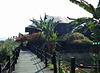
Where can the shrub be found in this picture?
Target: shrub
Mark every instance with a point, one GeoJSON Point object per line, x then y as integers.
{"type": "Point", "coordinates": [86, 41]}
{"type": "Point", "coordinates": [3, 54]}
{"type": "Point", "coordinates": [75, 42]}
{"type": "Point", "coordinates": [23, 38]}
{"type": "Point", "coordinates": [6, 49]}
{"type": "Point", "coordinates": [76, 38]}
{"type": "Point", "coordinates": [37, 39]}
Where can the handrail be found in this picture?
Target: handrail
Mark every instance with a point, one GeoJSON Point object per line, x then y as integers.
{"type": "Point", "coordinates": [82, 70]}
{"type": "Point", "coordinates": [4, 67]}
{"type": "Point", "coordinates": [47, 57]}
{"type": "Point", "coordinates": [10, 65]}
{"type": "Point", "coordinates": [87, 66]}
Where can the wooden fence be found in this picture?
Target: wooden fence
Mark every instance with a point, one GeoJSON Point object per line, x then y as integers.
{"type": "Point", "coordinates": [56, 60]}
{"type": "Point", "coordinates": [51, 58]}
{"type": "Point", "coordinates": [9, 66]}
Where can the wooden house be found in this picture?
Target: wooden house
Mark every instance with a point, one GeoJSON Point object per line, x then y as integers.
{"type": "Point", "coordinates": [61, 28]}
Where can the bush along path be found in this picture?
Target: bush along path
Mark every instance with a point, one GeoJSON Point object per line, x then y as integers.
{"type": "Point", "coordinates": [29, 63]}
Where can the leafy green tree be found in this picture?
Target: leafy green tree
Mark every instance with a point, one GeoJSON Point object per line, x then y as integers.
{"type": "Point", "coordinates": [92, 23]}
{"type": "Point", "coordinates": [46, 28]}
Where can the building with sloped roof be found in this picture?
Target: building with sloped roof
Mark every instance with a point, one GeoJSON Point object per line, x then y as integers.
{"type": "Point", "coordinates": [61, 27]}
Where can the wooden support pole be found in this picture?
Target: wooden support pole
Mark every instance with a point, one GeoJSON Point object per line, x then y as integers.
{"type": "Point", "coordinates": [59, 63]}
{"type": "Point", "coordinates": [72, 65]}
{"type": "Point", "coordinates": [14, 60]}
{"type": "Point", "coordinates": [15, 57]}
{"type": "Point", "coordinates": [45, 59]}
{"type": "Point", "coordinates": [8, 66]}
{"type": "Point", "coordinates": [54, 62]}
{"type": "Point", "coordinates": [41, 53]}
{"type": "Point", "coordinates": [0, 68]}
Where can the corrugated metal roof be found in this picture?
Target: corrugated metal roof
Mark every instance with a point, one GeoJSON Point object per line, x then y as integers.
{"type": "Point", "coordinates": [58, 18]}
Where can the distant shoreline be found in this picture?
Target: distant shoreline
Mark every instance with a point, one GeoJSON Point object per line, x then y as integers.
{"type": "Point", "coordinates": [3, 38]}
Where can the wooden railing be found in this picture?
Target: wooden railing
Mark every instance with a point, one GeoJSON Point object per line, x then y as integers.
{"type": "Point", "coordinates": [56, 60]}
{"type": "Point", "coordinates": [46, 57]}
{"type": "Point", "coordinates": [9, 66]}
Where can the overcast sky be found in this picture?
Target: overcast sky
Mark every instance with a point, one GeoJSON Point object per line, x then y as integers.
{"type": "Point", "coordinates": [15, 14]}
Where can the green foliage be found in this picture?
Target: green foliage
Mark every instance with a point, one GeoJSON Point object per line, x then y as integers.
{"type": "Point", "coordinates": [76, 38]}
{"type": "Point", "coordinates": [3, 54]}
{"type": "Point", "coordinates": [61, 71]}
{"type": "Point", "coordinates": [46, 28]}
{"type": "Point", "coordinates": [37, 39]}
{"type": "Point", "coordinates": [90, 23]}
{"type": "Point", "coordinates": [87, 41]}
{"type": "Point", "coordinates": [96, 31]}
{"type": "Point", "coordinates": [20, 34]}
{"type": "Point", "coordinates": [6, 49]}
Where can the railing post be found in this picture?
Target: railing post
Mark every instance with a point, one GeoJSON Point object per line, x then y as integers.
{"type": "Point", "coordinates": [35, 49]}
{"type": "Point", "coordinates": [59, 63]}
{"type": "Point", "coordinates": [38, 51]}
{"type": "Point", "coordinates": [8, 66]}
{"type": "Point", "coordinates": [18, 51]}
{"type": "Point", "coordinates": [45, 59]}
{"type": "Point", "coordinates": [72, 65]}
{"type": "Point", "coordinates": [0, 68]}
{"type": "Point", "coordinates": [41, 54]}
{"type": "Point", "coordinates": [15, 57]}
{"type": "Point", "coordinates": [14, 60]}
{"type": "Point", "coordinates": [17, 54]}
{"type": "Point", "coordinates": [54, 62]}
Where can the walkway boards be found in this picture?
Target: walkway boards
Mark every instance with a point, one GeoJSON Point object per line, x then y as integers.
{"type": "Point", "coordinates": [29, 63]}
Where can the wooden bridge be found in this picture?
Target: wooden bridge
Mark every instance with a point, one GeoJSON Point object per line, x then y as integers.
{"type": "Point", "coordinates": [29, 63]}
{"type": "Point", "coordinates": [32, 59]}
{"type": "Point", "coordinates": [24, 61]}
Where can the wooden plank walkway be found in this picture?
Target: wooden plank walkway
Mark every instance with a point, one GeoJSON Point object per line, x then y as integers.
{"type": "Point", "coordinates": [29, 63]}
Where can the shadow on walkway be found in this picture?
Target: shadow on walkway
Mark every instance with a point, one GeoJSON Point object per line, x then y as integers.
{"type": "Point", "coordinates": [29, 63]}
{"type": "Point", "coordinates": [40, 70]}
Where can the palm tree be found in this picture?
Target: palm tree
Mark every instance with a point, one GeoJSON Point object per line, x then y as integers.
{"type": "Point", "coordinates": [46, 28]}
{"type": "Point", "coordinates": [92, 23]}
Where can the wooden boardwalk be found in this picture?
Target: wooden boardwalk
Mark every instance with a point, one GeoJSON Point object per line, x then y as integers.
{"type": "Point", "coordinates": [29, 63]}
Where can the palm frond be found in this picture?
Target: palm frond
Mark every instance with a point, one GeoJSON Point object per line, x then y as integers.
{"type": "Point", "coordinates": [32, 26]}
{"type": "Point", "coordinates": [88, 7]}
{"type": "Point", "coordinates": [36, 23]}
{"type": "Point", "coordinates": [89, 26]}
{"type": "Point", "coordinates": [99, 3]}
{"type": "Point", "coordinates": [80, 21]}
{"type": "Point", "coordinates": [97, 13]}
